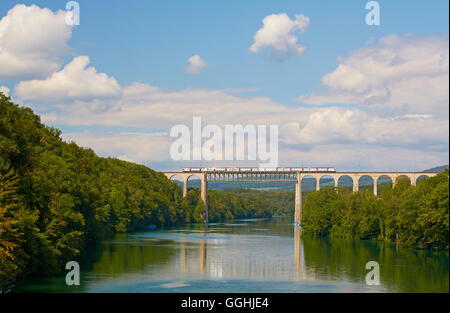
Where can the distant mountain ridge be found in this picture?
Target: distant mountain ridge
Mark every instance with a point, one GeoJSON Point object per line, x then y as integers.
{"type": "Point", "coordinates": [437, 168]}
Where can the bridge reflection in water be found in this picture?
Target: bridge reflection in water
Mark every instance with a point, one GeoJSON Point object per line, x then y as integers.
{"type": "Point", "coordinates": [300, 271]}
{"type": "Point", "coordinates": [211, 260]}
{"type": "Point", "coordinates": [297, 256]}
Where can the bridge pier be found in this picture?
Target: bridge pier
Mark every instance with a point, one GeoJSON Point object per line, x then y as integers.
{"type": "Point", "coordinates": [375, 186]}
{"type": "Point", "coordinates": [394, 181]}
{"type": "Point", "coordinates": [413, 179]}
{"type": "Point", "coordinates": [298, 199]}
{"type": "Point", "coordinates": [204, 196]}
{"type": "Point", "coordinates": [185, 185]}
{"type": "Point", "coordinates": [355, 183]}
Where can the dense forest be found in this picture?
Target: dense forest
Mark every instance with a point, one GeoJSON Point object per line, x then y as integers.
{"type": "Point", "coordinates": [57, 198]}
{"type": "Point", "coordinates": [416, 216]}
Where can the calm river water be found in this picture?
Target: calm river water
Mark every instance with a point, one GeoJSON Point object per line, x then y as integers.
{"type": "Point", "coordinates": [257, 255]}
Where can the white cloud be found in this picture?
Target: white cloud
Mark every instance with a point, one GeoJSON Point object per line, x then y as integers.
{"type": "Point", "coordinates": [131, 146]}
{"type": "Point", "coordinates": [195, 64]}
{"type": "Point", "coordinates": [147, 106]}
{"type": "Point", "coordinates": [32, 40]}
{"type": "Point", "coordinates": [75, 81]}
{"type": "Point", "coordinates": [335, 125]}
{"type": "Point", "coordinates": [150, 107]}
{"type": "Point", "coordinates": [358, 157]}
{"type": "Point", "coordinates": [152, 149]}
{"type": "Point", "coordinates": [5, 90]}
{"type": "Point", "coordinates": [401, 74]}
{"type": "Point", "coordinates": [417, 116]}
{"type": "Point", "coordinates": [279, 34]}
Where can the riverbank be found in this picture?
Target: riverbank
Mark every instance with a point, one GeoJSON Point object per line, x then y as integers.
{"type": "Point", "coordinates": [416, 216]}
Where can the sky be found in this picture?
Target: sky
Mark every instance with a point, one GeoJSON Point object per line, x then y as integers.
{"type": "Point", "coordinates": [343, 93]}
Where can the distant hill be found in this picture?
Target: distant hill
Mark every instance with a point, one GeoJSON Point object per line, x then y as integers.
{"type": "Point", "coordinates": [437, 168]}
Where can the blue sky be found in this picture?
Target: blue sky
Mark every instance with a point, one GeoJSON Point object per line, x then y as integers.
{"type": "Point", "coordinates": [150, 42]}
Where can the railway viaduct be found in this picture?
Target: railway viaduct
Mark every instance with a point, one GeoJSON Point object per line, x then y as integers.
{"type": "Point", "coordinates": [296, 177]}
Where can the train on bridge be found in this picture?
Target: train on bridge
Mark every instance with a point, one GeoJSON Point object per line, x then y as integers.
{"type": "Point", "coordinates": [256, 169]}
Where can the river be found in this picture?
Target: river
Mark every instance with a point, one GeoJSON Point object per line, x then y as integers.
{"type": "Point", "coordinates": [254, 255]}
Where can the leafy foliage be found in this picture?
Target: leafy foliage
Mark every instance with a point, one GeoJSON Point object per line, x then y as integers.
{"type": "Point", "coordinates": [414, 215]}
{"type": "Point", "coordinates": [57, 198]}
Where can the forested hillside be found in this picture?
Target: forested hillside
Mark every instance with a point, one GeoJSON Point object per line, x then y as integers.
{"type": "Point", "coordinates": [57, 198]}
{"type": "Point", "coordinates": [415, 216]}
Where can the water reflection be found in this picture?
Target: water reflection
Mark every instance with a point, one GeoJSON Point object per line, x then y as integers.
{"type": "Point", "coordinates": [203, 247]}
{"type": "Point", "coordinates": [183, 257]}
{"type": "Point", "coordinates": [256, 256]}
{"type": "Point", "coordinates": [299, 254]}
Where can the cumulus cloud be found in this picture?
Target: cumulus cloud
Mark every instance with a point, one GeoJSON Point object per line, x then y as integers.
{"type": "Point", "coordinates": [149, 107]}
{"type": "Point", "coordinates": [401, 74]}
{"type": "Point", "coordinates": [146, 106]}
{"type": "Point", "coordinates": [353, 126]}
{"type": "Point", "coordinates": [74, 81]}
{"type": "Point", "coordinates": [331, 136]}
{"type": "Point", "coordinates": [127, 146]}
{"type": "Point", "coordinates": [5, 90]}
{"type": "Point", "coordinates": [196, 64]}
{"type": "Point", "coordinates": [358, 157]}
{"type": "Point", "coordinates": [279, 35]}
{"type": "Point", "coordinates": [152, 149]}
{"type": "Point", "coordinates": [32, 40]}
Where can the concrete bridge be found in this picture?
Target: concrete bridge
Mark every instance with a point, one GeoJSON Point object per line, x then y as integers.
{"type": "Point", "coordinates": [296, 177]}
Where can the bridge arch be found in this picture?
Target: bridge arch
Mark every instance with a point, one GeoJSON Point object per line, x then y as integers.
{"type": "Point", "coordinates": [310, 177]}
{"type": "Point", "coordinates": [366, 182]}
{"type": "Point", "coordinates": [323, 183]}
{"type": "Point", "coordinates": [384, 182]}
{"type": "Point", "coordinates": [405, 177]}
{"type": "Point", "coordinates": [174, 176]}
{"type": "Point", "coordinates": [421, 177]}
{"type": "Point", "coordinates": [343, 183]}
{"type": "Point", "coordinates": [189, 177]}
{"type": "Point", "coordinates": [180, 179]}
{"type": "Point", "coordinates": [183, 179]}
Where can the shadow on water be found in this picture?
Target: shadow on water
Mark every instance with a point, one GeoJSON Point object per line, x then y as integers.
{"type": "Point", "coordinates": [261, 255]}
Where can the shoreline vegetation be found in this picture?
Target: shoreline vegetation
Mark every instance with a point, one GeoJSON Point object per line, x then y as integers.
{"type": "Point", "coordinates": [416, 216]}
{"type": "Point", "coordinates": [58, 199]}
